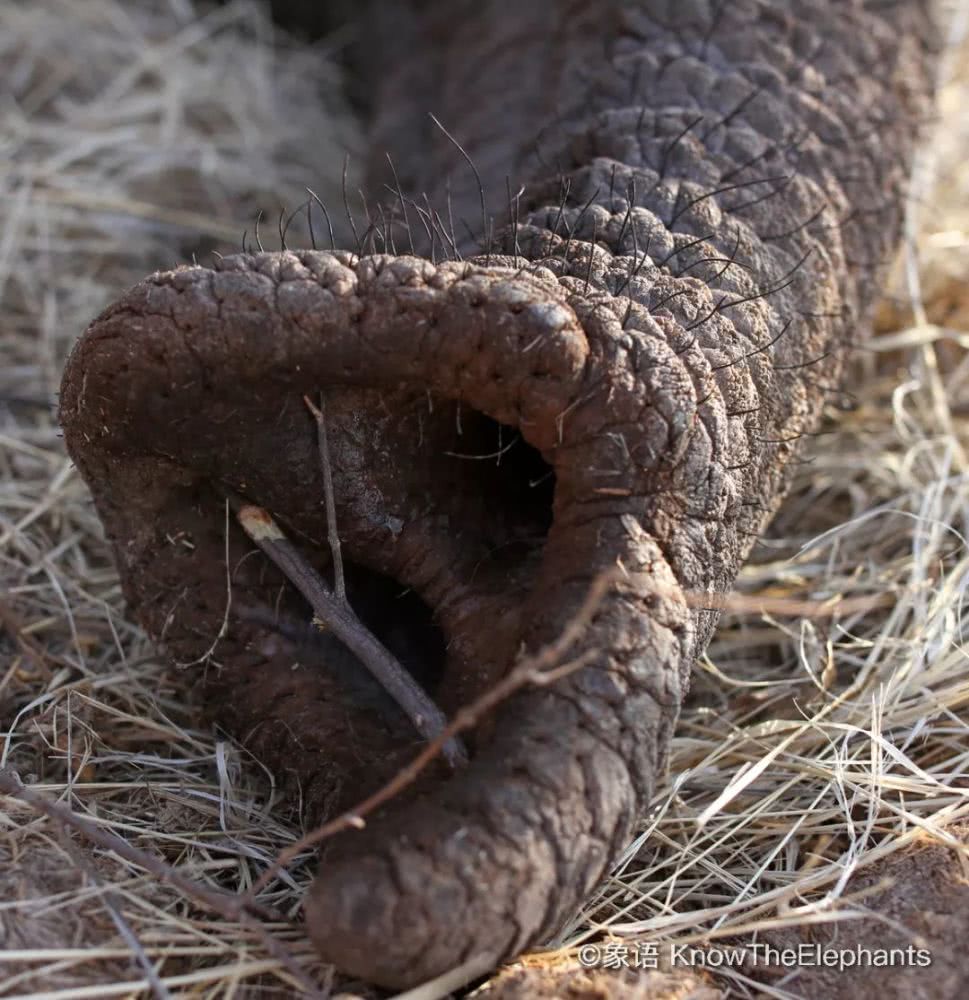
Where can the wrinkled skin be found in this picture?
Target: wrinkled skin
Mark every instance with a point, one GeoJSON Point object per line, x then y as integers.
{"type": "Point", "coordinates": [710, 191]}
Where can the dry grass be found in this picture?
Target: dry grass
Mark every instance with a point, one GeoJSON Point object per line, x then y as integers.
{"type": "Point", "coordinates": [136, 134]}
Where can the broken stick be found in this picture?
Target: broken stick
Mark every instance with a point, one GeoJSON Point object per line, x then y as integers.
{"type": "Point", "coordinates": [340, 619]}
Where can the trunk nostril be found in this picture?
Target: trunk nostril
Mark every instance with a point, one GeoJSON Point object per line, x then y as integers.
{"type": "Point", "coordinates": [401, 621]}
{"type": "Point", "coordinates": [515, 481]}
{"type": "Point", "coordinates": [437, 495]}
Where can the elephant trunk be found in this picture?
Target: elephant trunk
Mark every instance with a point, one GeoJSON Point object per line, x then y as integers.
{"type": "Point", "coordinates": [711, 194]}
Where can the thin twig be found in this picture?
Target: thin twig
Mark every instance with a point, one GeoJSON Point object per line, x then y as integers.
{"type": "Point", "coordinates": [538, 670]}
{"type": "Point", "coordinates": [332, 535]}
{"type": "Point", "coordinates": [341, 620]}
{"type": "Point", "coordinates": [112, 905]}
{"type": "Point", "coordinates": [224, 626]}
{"type": "Point", "coordinates": [738, 603]}
{"type": "Point", "coordinates": [239, 907]}
{"type": "Point", "coordinates": [225, 903]}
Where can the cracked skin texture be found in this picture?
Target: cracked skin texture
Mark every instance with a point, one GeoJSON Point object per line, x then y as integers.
{"type": "Point", "coordinates": [713, 192]}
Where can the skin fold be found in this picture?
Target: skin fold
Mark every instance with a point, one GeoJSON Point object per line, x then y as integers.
{"type": "Point", "coordinates": [635, 303]}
